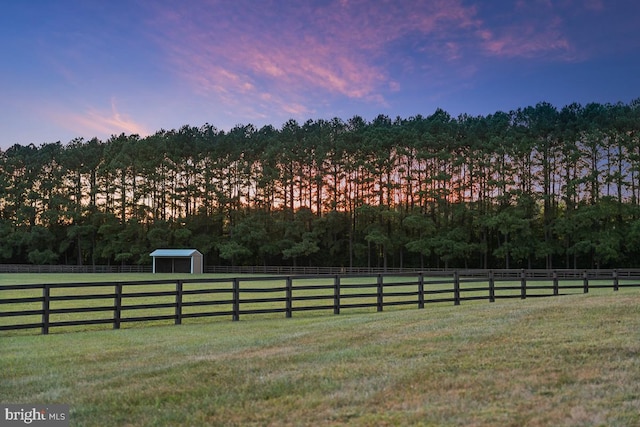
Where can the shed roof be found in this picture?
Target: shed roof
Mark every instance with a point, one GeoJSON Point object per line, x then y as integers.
{"type": "Point", "coordinates": [174, 252]}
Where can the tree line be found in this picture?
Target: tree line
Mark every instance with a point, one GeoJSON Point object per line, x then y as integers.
{"type": "Point", "coordinates": [535, 187]}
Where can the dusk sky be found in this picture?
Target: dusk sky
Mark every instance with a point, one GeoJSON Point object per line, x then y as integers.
{"type": "Point", "coordinates": [85, 68]}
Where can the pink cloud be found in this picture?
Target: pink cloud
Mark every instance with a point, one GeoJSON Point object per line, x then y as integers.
{"type": "Point", "coordinates": [595, 5]}
{"type": "Point", "coordinates": [533, 29]}
{"type": "Point", "coordinates": [525, 41]}
{"type": "Point", "coordinates": [238, 50]}
{"type": "Point", "coordinates": [99, 123]}
{"type": "Point", "coordinates": [335, 48]}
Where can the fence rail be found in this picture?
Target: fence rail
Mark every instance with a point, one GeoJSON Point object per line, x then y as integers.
{"type": "Point", "coordinates": [60, 268]}
{"type": "Point", "coordinates": [262, 269]}
{"type": "Point", "coordinates": [303, 270]}
{"type": "Point", "coordinates": [53, 305]}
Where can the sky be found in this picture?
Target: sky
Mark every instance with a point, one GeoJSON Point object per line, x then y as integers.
{"type": "Point", "coordinates": [94, 68]}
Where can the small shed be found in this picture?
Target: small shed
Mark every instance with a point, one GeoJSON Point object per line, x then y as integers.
{"type": "Point", "coordinates": [177, 261]}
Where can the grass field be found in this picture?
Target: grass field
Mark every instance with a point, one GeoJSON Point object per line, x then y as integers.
{"type": "Point", "coordinates": [565, 361]}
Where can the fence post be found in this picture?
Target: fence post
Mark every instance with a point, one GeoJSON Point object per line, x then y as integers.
{"type": "Point", "coordinates": [236, 300]}
{"type": "Point", "coordinates": [178, 302]}
{"type": "Point", "coordinates": [492, 287]}
{"type": "Point", "coordinates": [523, 284]}
{"type": "Point", "coordinates": [421, 290]}
{"type": "Point", "coordinates": [585, 282]}
{"type": "Point", "coordinates": [46, 301]}
{"type": "Point", "coordinates": [616, 284]}
{"type": "Point", "coordinates": [556, 287]}
{"type": "Point", "coordinates": [289, 296]}
{"type": "Point", "coordinates": [380, 291]}
{"type": "Point", "coordinates": [456, 288]}
{"type": "Point", "coordinates": [336, 294]}
{"type": "Point", "coordinates": [117, 309]}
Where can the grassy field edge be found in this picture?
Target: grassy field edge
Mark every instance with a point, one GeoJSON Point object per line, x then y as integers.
{"type": "Point", "coordinates": [556, 361]}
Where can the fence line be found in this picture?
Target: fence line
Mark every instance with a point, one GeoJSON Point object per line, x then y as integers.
{"type": "Point", "coordinates": [268, 269]}
{"type": "Point", "coordinates": [305, 270]}
{"type": "Point", "coordinates": [263, 269]}
{"type": "Point", "coordinates": [61, 268]}
{"type": "Point", "coordinates": [45, 306]}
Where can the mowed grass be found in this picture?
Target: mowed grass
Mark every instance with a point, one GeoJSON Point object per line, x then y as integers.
{"type": "Point", "coordinates": [572, 360]}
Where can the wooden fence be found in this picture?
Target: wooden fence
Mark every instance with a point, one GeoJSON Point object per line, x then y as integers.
{"type": "Point", "coordinates": [61, 268]}
{"type": "Point", "coordinates": [53, 305]}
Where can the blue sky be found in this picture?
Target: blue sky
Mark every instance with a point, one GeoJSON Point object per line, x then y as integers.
{"type": "Point", "coordinates": [85, 68]}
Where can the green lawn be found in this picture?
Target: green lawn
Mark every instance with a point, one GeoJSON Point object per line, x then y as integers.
{"type": "Point", "coordinates": [572, 360]}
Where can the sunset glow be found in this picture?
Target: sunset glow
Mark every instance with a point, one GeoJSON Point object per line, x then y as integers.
{"type": "Point", "coordinates": [78, 69]}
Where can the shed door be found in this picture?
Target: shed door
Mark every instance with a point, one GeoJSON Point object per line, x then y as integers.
{"type": "Point", "coordinates": [164, 265]}
{"type": "Point", "coordinates": [182, 265]}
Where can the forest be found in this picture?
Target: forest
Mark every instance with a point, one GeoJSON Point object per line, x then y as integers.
{"type": "Point", "coordinates": [537, 187]}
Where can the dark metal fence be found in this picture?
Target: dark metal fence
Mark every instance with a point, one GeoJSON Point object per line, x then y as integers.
{"type": "Point", "coordinates": [261, 269]}
{"type": "Point", "coordinates": [300, 270]}
{"type": "Point", "coordinates": [58, 305]}
{"type": "Point", "coordinates": [30, 268]}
